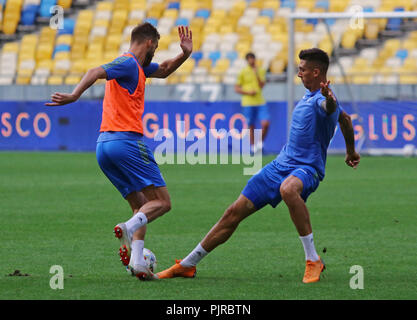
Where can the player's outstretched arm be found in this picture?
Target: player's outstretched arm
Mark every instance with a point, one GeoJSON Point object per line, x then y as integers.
{"type": "Point", "coordinates": [352, 157]}
{"type": "Point", "coordinates": [169, 66]}
{"type": "Point", "coordinates": [92, 75]}
{"type": "Point", "coordinates": [330, 104]}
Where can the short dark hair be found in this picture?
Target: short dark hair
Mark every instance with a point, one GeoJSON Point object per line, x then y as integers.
{"type": "Point", "coordinates": [317, 56]}
{"type": "Point", "coordinates": [144, 32]}
{"type": "Point", "coordinates": [250, 55]}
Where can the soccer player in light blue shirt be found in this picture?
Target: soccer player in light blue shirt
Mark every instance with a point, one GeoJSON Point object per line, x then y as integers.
{"type": "Point", "coordinates": [294, 174]}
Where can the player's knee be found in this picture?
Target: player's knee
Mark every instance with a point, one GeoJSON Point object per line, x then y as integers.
{"type": "Point", "coordinates": [166, 205]}
{"type": "Point", "coordinates": [288, 192]}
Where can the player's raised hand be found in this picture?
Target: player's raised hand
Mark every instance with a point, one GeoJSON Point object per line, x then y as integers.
{"type": "Point", "coordinates": [186, 38]}
{"type": "Point", "coordinates": [59, 99]}
{"type": "Point", "coordinates": [353, 159]}
{"type": "Point", "coordinates": [326, 91]}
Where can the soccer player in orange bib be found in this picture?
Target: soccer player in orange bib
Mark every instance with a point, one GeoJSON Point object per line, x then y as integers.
{"type": "Point", "coordinates": [121, 152]}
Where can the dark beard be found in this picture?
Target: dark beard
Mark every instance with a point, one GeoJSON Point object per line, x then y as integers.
{"type": "Point", "coordinates": [148, 59]}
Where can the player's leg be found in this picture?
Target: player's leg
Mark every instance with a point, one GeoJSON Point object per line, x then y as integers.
{"type": "Point", "coordinates": [292, 190]}
{"type": "Point", "coordinates": [220, 233]}
{"type": "Point", "coordinates": [157, 203]}
{"type": "Point", "coordinates": [263, 116]}
{"type": "Point", "coordinates": [136, 200]}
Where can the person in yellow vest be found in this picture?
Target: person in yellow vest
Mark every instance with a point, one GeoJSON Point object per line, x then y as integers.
{"type": "Point", "coordinates": [250, 82]}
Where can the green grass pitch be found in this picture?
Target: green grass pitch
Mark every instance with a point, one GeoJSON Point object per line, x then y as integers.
{"type": "Point", "coordinates": [59, 209]}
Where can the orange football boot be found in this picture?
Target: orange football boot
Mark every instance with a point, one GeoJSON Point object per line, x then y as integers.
{"type": "Point", "coordinates": [313, 270]}
{"type": "Point", "coordinates": [177, 270]}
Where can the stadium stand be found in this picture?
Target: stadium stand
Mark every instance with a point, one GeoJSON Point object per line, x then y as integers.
{"type": "Point", "coordinates": [95, 32]}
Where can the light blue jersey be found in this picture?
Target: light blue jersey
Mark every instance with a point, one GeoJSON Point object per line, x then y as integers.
{"type": "Point", "coordinates": [310, 134]}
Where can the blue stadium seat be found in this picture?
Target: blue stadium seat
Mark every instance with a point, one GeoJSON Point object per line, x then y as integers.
{"type": "Point", "coordinates": [45, 7]}
{"type": "Point", "coordinates": [323, 4]}
{"type": "Point", "coordinates": [61, 48]}
{"type": "Point", "coordinates": [312, 21]}
{"type": "Point", "coordinates": [232, 55]}
{"type": "Point", "coordinates": [214, 56]}
{"type": "Point", "coordinates": [152, 21]}
{"type": "Point", "coordinates": [402, 53]}
{"type": "Point", "coordinates": [182, 22]}
{"type": "Point", "coordinates": [69, 25]}
{"type": "Point", "coordinates": [197, 56]}
{"type": "Point", "coordinates": [368, 9]}
{"type": "Point", "coordinates": [29, 14]}
{"type": "Point", "coordinates": [268, 13]}
{"type": "Point", "coordinates": [203, 13]}
{"type": "Point", "coordinates": [174, 5]}
{"type": "Point", "coordinates": [330, 21]}
{"type": "Point", "coordinates": [394, 24]}
{"type": "Point", "coordinates": [288, 4]}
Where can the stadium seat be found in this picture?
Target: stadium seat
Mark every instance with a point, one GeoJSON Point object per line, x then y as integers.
{"type": "Point", "coordinates": [202, 13]}
{"type": "Point", "coordinates": [55, 80]}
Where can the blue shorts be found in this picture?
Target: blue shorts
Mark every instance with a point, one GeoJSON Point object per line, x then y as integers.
{"type": "Point", "coordinates": [255, 113]}
{"type": "Point", "coordinates": [129, 165]}
{"type": "Point", "coordinates": [264, 187]}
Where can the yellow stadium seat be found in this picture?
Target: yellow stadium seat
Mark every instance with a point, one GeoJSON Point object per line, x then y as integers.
{"type": "Point", "coordinates": [306, 4]}
{"type": "Point", "coordinates": [263, 20]}
{"type": "Point", "coordinates": [11, 47]}
{"type": "Point", "coordinates": [349, 40]}
{"type": "Point", "coordinates": [224, 29]}
{"type": "Point", "coordinates": [189, 5]}
{"type": "Point", "coordinates": [410, 64]}
{"type": "Point", "coordinates": [44, 51]}
{"type": "Point", "coordinates": [409, 44]}
{"type": "Point", "coordinates": [62, 55]}
{"type": "Point", "coordinates": [170, 13]}
{"type": "Point", "coordinates": [78, 67]}
{"type": "Point", "coordinates": [271, 4]}
{"type": "Point", "coordinates": [64, 39]}
{"type": "Point", "coordinates": [278, 66]}
{"type": "Point", "coordinates": [72, 79]}
{"type": "Point", "coordinates": [187, 67]}
{"type": "Point", "coordinates": [121, 4]}
{"type": "Point", "coordinates": [256, 4]}
{"type": "Point", "coordinates": [218, 14]}
{"type": "Point", "coordinates": [55, 80]}
{"type": "Point", "coordinates": [104, 6]}
{"type": "Point", "coordinates": [22, 80]}
{"type": "Point", "coordinates": [113, 42]}
{"type": "Point", "coordinates": [371, 30]}
{"type": "Point", "coordinates": [101, 23]}
{"type": "Point", "coordinates": [206, 63]}
{"type": "Point", "coordinates": [110, 55]}
{"type": "Point", "coordinates": [338, 5]}
{"type": "Point", "coordinates": [10, 25]}
{"type": "Point", "coordinates": [408, 79]}
{"type": "Point", "coordinates": [45, 64]}
{"type": "Point", "coordinates": [205, 4]}
{"type": "Point", "coordinates": [66, 4]}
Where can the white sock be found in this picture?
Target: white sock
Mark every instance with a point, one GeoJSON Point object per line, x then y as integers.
{"type": "Point", "coordinates": [134, 223]}
{"type": "Point", "coordinates": [136, 256]}
{"type": "Point", "coordinates": [309, 248]}
{"type": "Point", "coordinates": [194, 257]}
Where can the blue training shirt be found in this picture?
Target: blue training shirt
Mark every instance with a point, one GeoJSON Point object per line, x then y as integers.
{"type": "Point", "coordinates": [310, 134]}
{"type": "Point", "coordinates": [125, 70]}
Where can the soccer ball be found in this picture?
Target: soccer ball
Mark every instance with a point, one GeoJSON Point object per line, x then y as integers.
{"type": "Point", "coordinates": [408, 150]}
{"type": "Point", "coordinates": [150, 259]}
